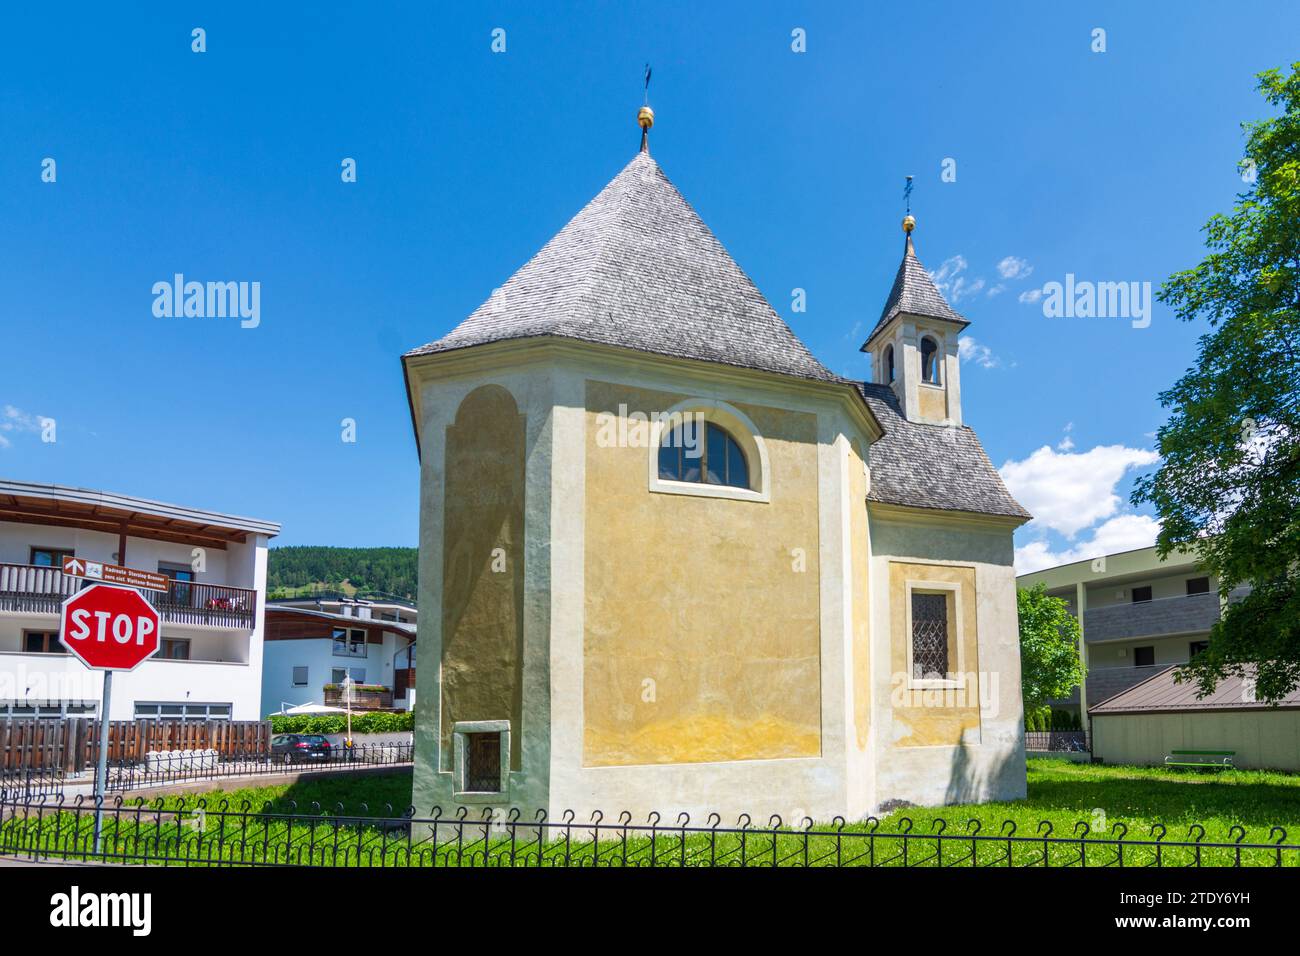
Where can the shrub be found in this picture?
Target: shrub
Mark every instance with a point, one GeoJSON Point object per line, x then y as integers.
{"type": "Point", "coordinates": [371, 722]}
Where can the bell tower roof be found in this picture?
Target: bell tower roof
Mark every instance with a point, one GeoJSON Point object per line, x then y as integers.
{"type": "Point", "coordinates": [914, 292]}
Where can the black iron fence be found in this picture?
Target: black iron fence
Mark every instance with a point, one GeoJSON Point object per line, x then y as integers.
{"type": "Point", "coordinates": [169, 767]}
{"type": "Point", "coordinates": [1060, 741]}
{"type": "Point", "coordinates": [176, 833]}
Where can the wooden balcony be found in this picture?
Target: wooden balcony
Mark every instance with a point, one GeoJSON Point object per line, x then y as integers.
{"type": "Point", "coordinates": [364, 697]}
{"type": "Point", "coordinates": [32, 589]}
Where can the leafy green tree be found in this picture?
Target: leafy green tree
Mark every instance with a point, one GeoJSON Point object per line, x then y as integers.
{"type": "Point", "coordinates": [1050, 667]}
{"type": "Point", "coordinates": [1228, 487]}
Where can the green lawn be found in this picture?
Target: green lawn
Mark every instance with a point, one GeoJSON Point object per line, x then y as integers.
{"type": "Point", "coordinates": [1111, 800]}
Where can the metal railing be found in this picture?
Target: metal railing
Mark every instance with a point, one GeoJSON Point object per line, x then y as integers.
{"type": "Point", "coordinates": [199, 833]}
{"type": "Point", "coordinates": [169, 767]}
{"type": "Point", "coordinates": [42, 590]}
{"type": "Point", "coordinates": [1060, 741]}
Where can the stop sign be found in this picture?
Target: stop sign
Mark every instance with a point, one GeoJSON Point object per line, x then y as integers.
{"type": "Point", "coordinates": [110, 628]}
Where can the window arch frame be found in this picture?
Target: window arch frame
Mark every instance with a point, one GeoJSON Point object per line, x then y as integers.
{"type": "Point", "coordinates": [887, 364]}
{"type": "Point", "coordinates": [738, 426]}
{"type": "Point", "coordinates": [938, 365]}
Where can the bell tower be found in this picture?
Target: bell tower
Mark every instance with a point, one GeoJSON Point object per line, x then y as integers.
{"type": "Point", "coordinates": [914, 348]}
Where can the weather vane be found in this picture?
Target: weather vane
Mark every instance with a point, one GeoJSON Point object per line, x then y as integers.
{"type": "Point", "coordinates": [907, 196]}
{"type": "Point", "coordinates": [645, 116]}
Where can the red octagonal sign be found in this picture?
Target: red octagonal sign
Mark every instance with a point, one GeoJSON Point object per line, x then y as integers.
{"type": "Point", "coordinates": [110, 628]}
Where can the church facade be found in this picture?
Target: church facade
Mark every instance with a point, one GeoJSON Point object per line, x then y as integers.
{"type": "Point", "coordinates": [669, 562]}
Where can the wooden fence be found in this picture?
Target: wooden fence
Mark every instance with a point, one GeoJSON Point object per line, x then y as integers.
{"type": "Point", "coordinates": [70, 745]}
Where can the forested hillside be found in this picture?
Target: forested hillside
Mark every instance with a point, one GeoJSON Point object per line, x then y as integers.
{"type": "Point", "coordinates": [386, 570]}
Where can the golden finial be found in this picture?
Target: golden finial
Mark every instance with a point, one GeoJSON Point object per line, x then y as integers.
{"type": "Point", "coordinates": [645, 117]}
{"type": "Point", "coordinates": [909, 223]}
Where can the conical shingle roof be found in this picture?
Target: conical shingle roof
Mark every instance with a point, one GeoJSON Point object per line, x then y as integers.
{"type": "Point", "coordinates": [914, 293]}
{"type": "Point", "coordinates": [637, 268]}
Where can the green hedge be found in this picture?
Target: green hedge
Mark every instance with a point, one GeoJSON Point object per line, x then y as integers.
{"type": "Point", "coordinates": [372, 722]}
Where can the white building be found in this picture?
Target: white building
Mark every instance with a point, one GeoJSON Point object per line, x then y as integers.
{"type": "Point", "coordinates": [313, 644]}
{"type": "Point", "coordinates": [210, 664]}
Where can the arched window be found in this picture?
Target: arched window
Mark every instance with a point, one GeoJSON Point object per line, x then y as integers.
{"type": "Point", "coordinates": [889, 365]}
{"type": "Point", "coordinates": [717, 459]}
{"type": "Point", "coordinates": [929, 361]}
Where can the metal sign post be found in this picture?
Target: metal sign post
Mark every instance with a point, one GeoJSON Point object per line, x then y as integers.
{"type": "Point", "coordinates": [101, 761]}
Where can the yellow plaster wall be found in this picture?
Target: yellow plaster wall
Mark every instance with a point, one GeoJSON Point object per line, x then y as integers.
{"type": "Point", "coordinates": [860, 568]}
{"type": "Point", "coordinates": [933, 403]}
{"type": "Point", "coordinates": [702, 643]}
{"type": "Point", "coordinates": [925, 718]}
{"type": "Point", "coordinates": [482, 588]}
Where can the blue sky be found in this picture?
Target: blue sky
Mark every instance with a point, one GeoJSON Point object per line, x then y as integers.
{"type": "Point", "coordinates": [225, 166]}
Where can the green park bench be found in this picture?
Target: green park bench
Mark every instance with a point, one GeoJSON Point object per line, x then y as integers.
{"type": "Point", "coordinates": [1211, 759]}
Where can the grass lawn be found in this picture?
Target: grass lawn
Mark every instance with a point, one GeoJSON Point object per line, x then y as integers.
{"type": "Point", "coordinates": [1111, 800]}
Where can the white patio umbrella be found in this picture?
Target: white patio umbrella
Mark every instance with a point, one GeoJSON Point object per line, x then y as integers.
{"type": "Point", "coordinates": [311, 708]}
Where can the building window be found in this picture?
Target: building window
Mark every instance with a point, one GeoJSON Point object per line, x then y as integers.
{"type": "Point", "coordinates": [300, 677]}
{"type": "Point", "coordinates": [718, 460]}
{"type": "Point", "coordinates": [175, 649]}
{"type": "Point", "coordinates": [1144, 656]}
{"type": "Point", "coordinates": [182, 577]}
{"type": "Point", "coordinates": [50, 557]}
{"type": "Point", "coordinates": [889, 365]}
{"type": "Point", "coordinates": [929, 360]}
{"type": "Point", "coordinates": [42, 642]}
{"type": "Point", "coordinates": [1142, 595]}
{"type": "Point", "coordinates": [339, 674]}
{"type": "Point", "coordinates": [1198, 585]}
{"type": "Point", "coordinates": [483, 763]}
{"type": "Point", "coordinates": [1196, 648]}
{"type": "Point", "coordinates": [929, 636]}
{"type": "Point", "coordinates": [159, 710]}
{"type": "Point", "coordinates": [349, 642]}
{"type": "Point", "coordinates": [481, 759]}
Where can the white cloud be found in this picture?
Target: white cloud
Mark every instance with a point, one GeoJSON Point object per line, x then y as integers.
{"type": "Point", "coordinates": [968, 350]}
{"type": "Point", "coordinates": [1030, 296]}
{"type": "Point", "coordinates": [1067, 491]}
{"type": "Point", "coordinates": [949, 280]}
{"type": "Point", "coordinates": [1121, 533]}
{"type": "Point", "coordinates": [996, 290]}
{"type": "Point", "coordinates": [1066, 443]}
{"type": "Point", "coordinates": [1013, 267]}
{"type": "Point", "coordinates": [14, 420]}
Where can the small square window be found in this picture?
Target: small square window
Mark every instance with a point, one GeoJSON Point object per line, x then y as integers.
{"type": "Point", "coordinates": [1144, 656]}
{"type": "Point", "coordinates": [300, 677]}
{"type": "Point", "coordinates": [1198, 585]}
{"type": "Point", "coordinates": [1142, 595]}
{"type": "Point", "coordinates": [481, 760]}
{"type": "Point", "coordinates": [1196, 648]}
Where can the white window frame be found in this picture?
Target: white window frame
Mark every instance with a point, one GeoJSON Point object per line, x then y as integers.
{"type": "Point", "coordinates": [183, 705]}
{"type": "Point", "coordinates": [932, 683]}
{"type": "Point", "coordinates": [737, 424]}
{"type": "Point", "coordinates": [459, 731]}
{"type": "Point", "coordinates": [349, 639]}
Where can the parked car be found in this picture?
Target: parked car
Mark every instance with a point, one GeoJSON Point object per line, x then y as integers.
{"type": "Point", "coordinates": [300, 748]}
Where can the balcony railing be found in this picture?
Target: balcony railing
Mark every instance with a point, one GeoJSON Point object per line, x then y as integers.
{"type": "Point", "coordinates": [1174, 615]}
{"type": "Point", "coordinates": [40, 590]}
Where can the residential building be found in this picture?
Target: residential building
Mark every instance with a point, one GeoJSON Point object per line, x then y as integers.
{"type": "Point", "coordinates": [311, 649]}
{"type": "Point", "coordinates": [210, 664]}
{"type": "Point", "coordinates": [1138, 614]}
{"type": "Point", "coordinates": [669, 561]}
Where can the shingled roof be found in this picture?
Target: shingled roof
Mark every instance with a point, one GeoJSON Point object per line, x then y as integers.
{"type": "Point", "coordinates": [914, 292]}
{"type": "Point", "coordinates": [1161, 693]}
{"type": "Point", "coordinates": [943, 467]}
{"type": "Point", "coordinates": [637, 268]}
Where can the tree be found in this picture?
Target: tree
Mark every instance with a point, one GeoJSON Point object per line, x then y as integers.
{"type": "Point", "coordinates": [1228, 487]}
{"type": "Point", "coordinates": [1050, 667]}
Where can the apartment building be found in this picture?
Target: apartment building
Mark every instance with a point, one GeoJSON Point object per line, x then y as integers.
{"type": "Point", "coordinates": [314, 643]}
{"type": "Point", "coordinates": [210, 663]}
{"type": "Point", "coordinates": [1138, 615]}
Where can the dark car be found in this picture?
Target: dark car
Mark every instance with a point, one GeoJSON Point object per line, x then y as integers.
{"type": "Point", "coordinates": [300, 748]}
